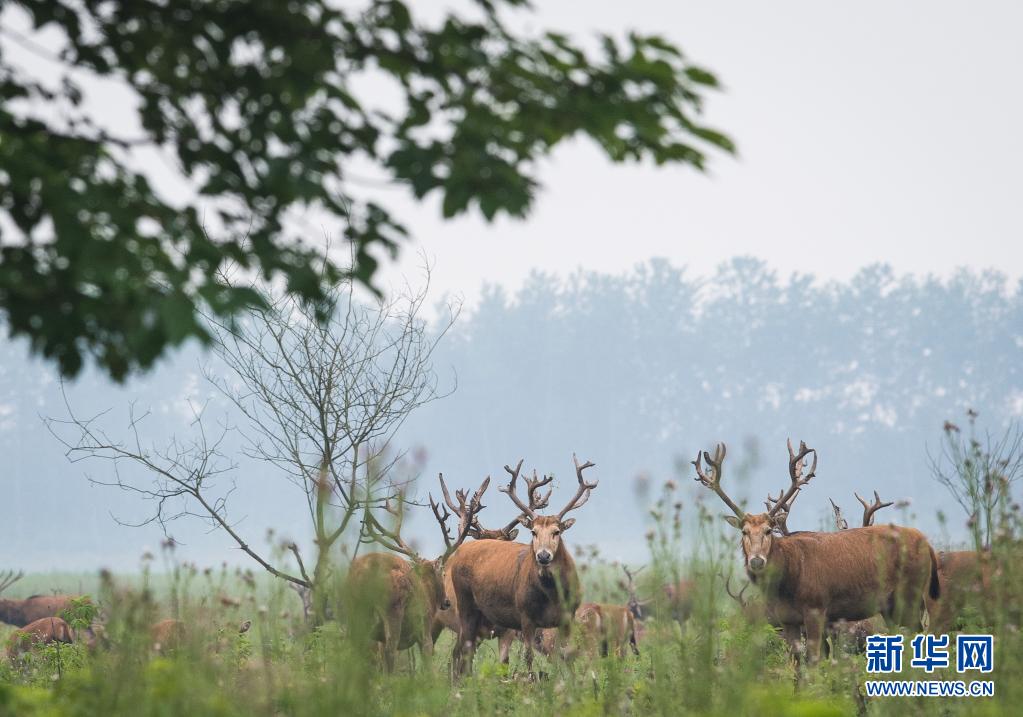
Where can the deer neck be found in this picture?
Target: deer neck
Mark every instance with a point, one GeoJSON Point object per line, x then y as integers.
{"type": "Point", "coordinates": [559, 577]}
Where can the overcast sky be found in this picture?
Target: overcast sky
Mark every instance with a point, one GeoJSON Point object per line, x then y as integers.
{"type": "Point", "coordinates": [868, 132]}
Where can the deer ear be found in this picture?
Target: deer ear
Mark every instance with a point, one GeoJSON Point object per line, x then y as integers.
{"type": "Point", "coordinates": [524, 521]}
{"type": "Point", "coordinates": [733, 521]}
{"type": "Point", "coordinates": [566, 524]}
{"type": "Point", "coordinates": [513, 533]}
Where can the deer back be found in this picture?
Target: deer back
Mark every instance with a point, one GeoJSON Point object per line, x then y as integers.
{"type": "Point", "coordinates": [502, 580]}
{"type": "Point", "coordinates": [43, 630]}
{"type": "Point", "coordinates": [851, 574]}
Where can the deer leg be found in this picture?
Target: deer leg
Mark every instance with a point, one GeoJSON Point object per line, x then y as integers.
{"type": "Point", "coordinates": [465, 645]}
{"type": "Point", "coordinates": [792, 634]}
{"type": "Point", "coordinates": [504, 643]}
{"type": "Point", "coordinates": [392, 634]}
{"type": "Point", "coordinates": [813, 621]}
{"type": "Point", "coordinates": [528, 636]}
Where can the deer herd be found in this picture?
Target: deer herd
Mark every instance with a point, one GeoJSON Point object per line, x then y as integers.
{"type": "Point", "coordinates": [812, 585]}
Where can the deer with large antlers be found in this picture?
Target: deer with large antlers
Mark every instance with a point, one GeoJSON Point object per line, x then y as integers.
{"type": "Point", "coordinates": [811, 578]}
{"type": "Point", "coordinates": [22, 612]}
{"type": "Point", "coordinates": [449, 618]}
{"type": "Point", "coordinates": [515, 586]}
{"type": "Point", "coordinates": [397, 598]}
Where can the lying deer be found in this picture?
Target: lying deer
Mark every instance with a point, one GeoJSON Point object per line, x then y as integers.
{"type": "Point", "coordinates": [811, 578]}
{"type": "Point", "coordinates": [22, 612]}
{"type": "Point", "coordinates": [403, 594]}
{"type": "Point", "coordinates": [45, 630]}
{"type": "Point", "coordinates": [518, 587]}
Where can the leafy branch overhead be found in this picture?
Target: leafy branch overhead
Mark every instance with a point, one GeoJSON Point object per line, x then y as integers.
{"type": "Point", "coordinates": [259, 107]}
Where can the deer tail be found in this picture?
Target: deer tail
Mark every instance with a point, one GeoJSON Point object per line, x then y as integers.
{"type": "Point", "coordinates": [935, 586]}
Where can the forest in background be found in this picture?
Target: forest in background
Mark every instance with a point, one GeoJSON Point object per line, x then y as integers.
{"type": "Point", "coordinates": [634, 371]}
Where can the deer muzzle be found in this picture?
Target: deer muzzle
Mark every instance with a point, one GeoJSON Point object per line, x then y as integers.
{"type": "Point", "coordinates": [757, 563]}
{"type": "Point", "coordinates": [544, 557]}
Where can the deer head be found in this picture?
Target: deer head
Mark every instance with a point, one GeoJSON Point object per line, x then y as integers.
{"type": "Point", "coordinates": [546, 530]}
{"type": "Point", "coordinates": [758, 529]}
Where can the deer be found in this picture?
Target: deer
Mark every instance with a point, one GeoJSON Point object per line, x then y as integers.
{"type": "Point", "coordinates": [516, 586]}
{"type": "Point", "coordinates": [449, 618]}
{"type": "Point", "coordinates": [401, 592]}
{"type": "Point", "coordinates": [607, 628]}
{"type": "Point", "coordinates": [167, 634]}
{"type": "Point", "coordinates": [22, 612]}
{"type": "Point", "coordinates": [45, 630]}
{"type": "Point", "coordinates": [811, 578]}
{"type": "Point", "coordinates": [965, 575]}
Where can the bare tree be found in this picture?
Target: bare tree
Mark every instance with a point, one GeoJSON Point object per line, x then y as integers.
{"type": "Point", "coordinates": [979, 471]}
{"type": "Point", "coordinates": [320, 398]}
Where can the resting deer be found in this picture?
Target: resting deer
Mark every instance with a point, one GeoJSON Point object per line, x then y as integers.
{"type": "Point", "coordinates": [810, 578]}
{"type": "Point", "coordinates": [404, 595]}
{"type": "Point", "coordinates": [45, 630]}
{"type": "Point", "coordinates": [515, 586]}
{"type": "Point", "coordinates": [23, 612]}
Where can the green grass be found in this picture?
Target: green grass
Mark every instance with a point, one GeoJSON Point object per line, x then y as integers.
{"type": "Point", "coordinates": [716, 664]}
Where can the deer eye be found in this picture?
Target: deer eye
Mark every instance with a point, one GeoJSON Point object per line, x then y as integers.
{"type": "Point", "coordinates": [557, 533]}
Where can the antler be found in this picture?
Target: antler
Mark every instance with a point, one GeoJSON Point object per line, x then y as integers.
{"type": "Point", "coordinates": [533, 485]}
{"type": "Point", "coordinates": [390, 539]}
{"type": "Point", "coordinates": [840, 522]}
{"type": "Point", "coordinates": [634, 604]}
{"type": "Point", "coordinates": [536, 503]}
{"type": "Point", "coordinates": [870, 508]}
{"type": "Point", "coordinates": [8, 578]}
{"type": "Point", "coordinates": [466, 510]}
{"type": "Point", "coordinates": [783, 504]}
{"type": "Point", "coordinates": [714, 480]}
{"type": "Point", "coordinates": [527, 510]}
{"type": "Point", "coordinates": [737, 597]}
{"type": "Point", "coordinates": [582, 494]}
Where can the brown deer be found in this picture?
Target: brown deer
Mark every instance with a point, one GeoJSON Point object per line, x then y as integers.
{"type": "Point", "coordinates": [810, 578]}
{"type": "Point", "coordinates": [515, 586]}
{"type": "Point", "coordinates": [449, 618]}
{"type": "Point", "coordinates": [42, 631]}
{"type": "Point", "coordinates": [965, 576]}
{"type": "Point", "coordinates": [22, 612]}
{"type": "Point", "coordinates": [403, 596]}
{"type": "Point", "coordinates": [607, 628]}
{"type": "Point", "coordinates": [167, 634]}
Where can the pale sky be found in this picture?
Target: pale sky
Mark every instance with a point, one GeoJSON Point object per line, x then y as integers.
{"type": "Point", "coordinates": [867, 132]}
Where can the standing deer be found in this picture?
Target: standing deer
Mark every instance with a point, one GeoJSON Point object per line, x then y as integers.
{"type": "Point", "coordinates": [811, 578]}
{"type": "Point", "coordinates": [42, 631]}
{"type": "Point", "coordinates": [22, 612]}
{"type": "Point", "coordinates": [965, 576]}
{"type": "Point", "coordinates": [515, 586]}
{"type": "Point", "coordinates": [403, 596]}
{"type": "Point", "coordinates": [449, 618]}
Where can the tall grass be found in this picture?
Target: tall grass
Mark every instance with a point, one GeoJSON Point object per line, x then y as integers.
{"type": "Point", "coordinates": [718, 662]}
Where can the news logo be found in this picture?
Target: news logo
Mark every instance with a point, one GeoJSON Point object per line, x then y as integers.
{"type": "Point", "coordinates": [930, 653]}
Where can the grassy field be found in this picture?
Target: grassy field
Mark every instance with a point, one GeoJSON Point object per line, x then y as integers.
{"type": "Point", "coordinates": [717, 663]}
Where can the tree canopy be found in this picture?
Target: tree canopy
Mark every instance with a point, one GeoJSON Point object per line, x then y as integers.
{"type": "Point", "coordinates": [263, 109]}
